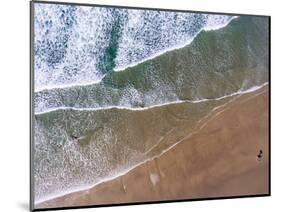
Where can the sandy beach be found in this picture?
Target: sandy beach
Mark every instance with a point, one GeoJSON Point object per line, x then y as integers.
{"type": "Point", "coordinates": [226, 155]}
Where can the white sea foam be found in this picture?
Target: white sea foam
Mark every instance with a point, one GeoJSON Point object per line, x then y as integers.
{"type": "Point", "coordinates": [212, 25]}
{"type": "Point", "coordinates": [252, 89]}
{"type": "Point", "coordinates": [71, 42]}
{"type": "Point", "coordinates": [71, 49]}
{"type": "Point", "coordinates": [153, 177]}
{"type": "Point", "coordinates": [51, 87]}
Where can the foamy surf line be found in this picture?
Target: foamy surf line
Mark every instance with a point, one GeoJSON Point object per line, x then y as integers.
{"type": "Point", "coordinates": [125, 171]}
{"type": "Point", "coordinates": [69, 85]}
{"type": "Point", "coordinates": [175, 47]}
{"type": "Point", "coordinates": [252, 89]}
{"type": "Point", "coordinates": [123, 68]}
{"type": "Point", "coordinates": [106, 179]}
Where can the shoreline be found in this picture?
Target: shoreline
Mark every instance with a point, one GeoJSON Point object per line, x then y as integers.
{"type": "Point", "coordinates": [237, 93]}
{"type": "Point", "coordinates": [240, 99]}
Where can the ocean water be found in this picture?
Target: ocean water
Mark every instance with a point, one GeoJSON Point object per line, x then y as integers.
{"type": "Point", "coordinates": [111, 83]}
{"type": "Point", "coordinates": [80, 45]}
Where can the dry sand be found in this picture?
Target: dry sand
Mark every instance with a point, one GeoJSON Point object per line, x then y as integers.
{"type": "Point", "coordinates": [219, 159]}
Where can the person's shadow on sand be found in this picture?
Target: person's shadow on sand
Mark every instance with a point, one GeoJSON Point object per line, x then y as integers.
{"type": "Point", "coordinates": [259, 156]}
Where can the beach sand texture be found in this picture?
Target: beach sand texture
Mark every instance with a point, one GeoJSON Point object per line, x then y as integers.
{"type": "Point", "coordinates": [220, 159]}
{"type": "Point", "coordinates": [139, 106]}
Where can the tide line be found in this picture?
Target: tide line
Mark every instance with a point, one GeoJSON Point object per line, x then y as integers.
{"type": "Point", "coordinates": [126, 170]}
{"type": "Point", "coordinates": [254, 88]}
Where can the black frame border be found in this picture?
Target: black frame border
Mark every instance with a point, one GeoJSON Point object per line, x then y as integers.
{"type": "Point", "coordinates": [31, 107]}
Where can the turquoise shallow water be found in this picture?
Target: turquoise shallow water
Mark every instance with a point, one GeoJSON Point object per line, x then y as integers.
{"type": "Point", "coordinates": [88, 132]}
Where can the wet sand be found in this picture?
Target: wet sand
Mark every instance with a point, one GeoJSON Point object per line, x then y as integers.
{"type": "Point", "coordinates": [219, 159]}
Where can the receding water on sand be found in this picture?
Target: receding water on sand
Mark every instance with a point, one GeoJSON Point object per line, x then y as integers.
{"type": "Point", "coordinates": [91, 132]}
